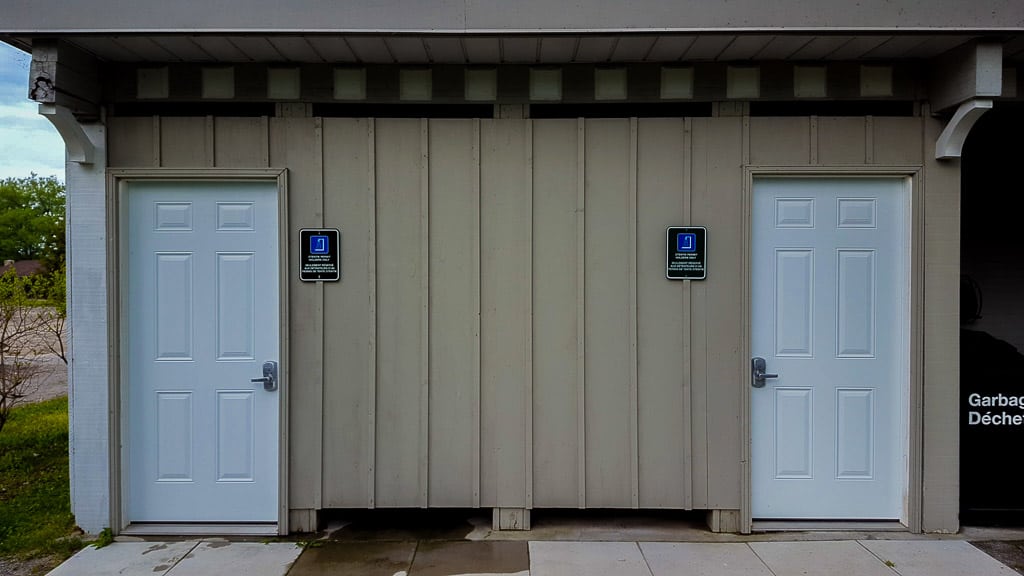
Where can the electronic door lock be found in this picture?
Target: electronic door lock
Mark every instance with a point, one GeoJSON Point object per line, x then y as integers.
{"type": "Point", "coordinates": [269, 379]}
{"type": "Point", "coordinates": [757, 372]}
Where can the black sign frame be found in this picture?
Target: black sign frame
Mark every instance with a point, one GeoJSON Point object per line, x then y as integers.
{"type": "Point", "coordinates": [319, 254]}
{"type": "Point", "coordinates": [686, 253]}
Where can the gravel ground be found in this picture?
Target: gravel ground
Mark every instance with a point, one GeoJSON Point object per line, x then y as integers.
{"type": "Point", "coordinates": [1009, 552]}
{"type": "Point", "coordinates": [53, 379]}
{"type": "Point", "coordinates": [10, 567]}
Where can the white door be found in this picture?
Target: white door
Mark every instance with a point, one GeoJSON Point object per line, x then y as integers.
{"type": "Point", "coordinates": [200, 302]}
{"type": "Point", "coordinates": [830, 288]}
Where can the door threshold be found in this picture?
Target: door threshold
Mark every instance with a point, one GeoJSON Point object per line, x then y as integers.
{"type": "Point", "coordinates": [827, 526]}
{"type": "Point", "coordinates": [195, 529]}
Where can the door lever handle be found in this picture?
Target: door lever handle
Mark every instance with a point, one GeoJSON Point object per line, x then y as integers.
{"type": "Point", "coordinates": [758, 374]}
{"type": "Point", "coordinates": [269, 378]}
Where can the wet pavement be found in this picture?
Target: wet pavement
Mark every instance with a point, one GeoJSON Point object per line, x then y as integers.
{"type": "Point", "coordinates": [420, 558]}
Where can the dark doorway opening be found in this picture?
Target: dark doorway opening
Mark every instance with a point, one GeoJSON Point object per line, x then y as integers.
{"type": "Point", "coordinates": [992, 319]}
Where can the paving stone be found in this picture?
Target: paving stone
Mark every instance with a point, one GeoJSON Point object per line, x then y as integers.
{"type": "Point", "coordinates": [587, 559]}
{"type": "Point", "coordinates": [471, 559]}
{"type": "Point", "coordinates": [362, 558]}
{"type": "Point", "coordinates": [126, 559]}
{"type": "Point", "coordinates": [702, 559]}
{"type": "Point", "coordinates": [936, 558]}
{"type": "Point", "coordinates": [827, 558]}
{"type": "Point", "coordinates": [249, 558]}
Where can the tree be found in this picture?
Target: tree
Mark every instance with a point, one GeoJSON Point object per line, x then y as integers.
{"type": "Point", "coordinates": [22, 340]}
{"type": "Point", "coordinates": [32, 220]}
{"type": "Point", "coordinates": [52, 290]}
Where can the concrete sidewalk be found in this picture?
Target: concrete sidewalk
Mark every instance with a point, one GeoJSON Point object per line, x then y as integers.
{"type": "Point", "coordinates": [184, 558]}
{"type": "Point", "coordinates": [865, 557]}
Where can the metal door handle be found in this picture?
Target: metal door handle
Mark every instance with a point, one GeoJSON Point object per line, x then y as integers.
{"type": "Point", "coordinates": [758, 374]}
{"type": "Point", "coordinates": [269, 379]}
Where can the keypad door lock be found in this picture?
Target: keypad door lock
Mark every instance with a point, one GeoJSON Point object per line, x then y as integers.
{"type": "Point", "coordinates": [269, 379]}
{"type": "Point", "coordinates": [757, 372]}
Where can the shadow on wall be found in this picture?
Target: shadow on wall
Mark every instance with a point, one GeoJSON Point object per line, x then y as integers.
{"type": "Point", "coordinates": [991, 424]}
{"type": "Point", "coordinates": [992, 321]}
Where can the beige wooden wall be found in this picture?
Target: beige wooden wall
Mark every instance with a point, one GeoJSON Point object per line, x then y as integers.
{"type": "Point", "coordinates": [503, 333]}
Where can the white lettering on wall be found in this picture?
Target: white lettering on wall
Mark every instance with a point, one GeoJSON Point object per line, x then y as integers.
{"type": "Point", "coordinates": [995, 418]}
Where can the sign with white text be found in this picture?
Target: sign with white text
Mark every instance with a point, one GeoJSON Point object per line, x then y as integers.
{"type": "Point", "coordinates": [320, 251]}
{"type": "Point", "coordinates": [686, 253]}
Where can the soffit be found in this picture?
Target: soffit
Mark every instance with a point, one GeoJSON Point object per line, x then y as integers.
{"type": "Point", "coordinates": [524, 49]}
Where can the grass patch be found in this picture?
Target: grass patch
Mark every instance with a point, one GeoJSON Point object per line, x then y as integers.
{"type": "Point", "coordinates": [35, 505]}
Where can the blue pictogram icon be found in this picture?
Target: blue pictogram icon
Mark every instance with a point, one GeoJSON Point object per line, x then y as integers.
{"type": "Point", "coordinates": [686, 242]}
{"type": "Point", "coordinates": [319, 245]}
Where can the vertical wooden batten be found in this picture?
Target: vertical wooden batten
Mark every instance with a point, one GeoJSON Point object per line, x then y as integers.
{"type": "Point", "coordinates": [528, 346]}
{"type": "Point", "coordinates": [869, 140]}
{"type": "Point", "coordinates": [743, 216]}
{"type": "Point", "coordinates": [581, 316]}
{"type": "Point", "coordinates": [318, 221]}
{"type": "Point", "coordinates": [424, 312]}
{"type": "Point", "coordinates": [631, 271]}
{"type": "Point", "coordinates": [156, 142]}
{"type": "Point", "coordinates": [371, 264]}
{"type": "Point", "coordinates": [210, 140]}
{"type": "Point", "coordinates": [698, 327]}
{"type": "Point", "coordinates": [687, 328]}
{"type": "Point", "coordinates": [264, 141]}
{"type": "Point", "coordinates": [813, 140]}
{"type": "Point", "coordinates": [475, 350]}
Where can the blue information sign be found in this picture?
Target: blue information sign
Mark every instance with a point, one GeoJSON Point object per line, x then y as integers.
{"type": "Point", "coordinates": [319, 244]}
{"type": "Point", "coordinates": [686, 242]}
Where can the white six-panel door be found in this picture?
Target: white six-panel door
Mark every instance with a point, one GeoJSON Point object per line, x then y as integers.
{"type": "Point", "coordinates": [200, 302]}
{"type": "Point", "coordinates": [830, 289]}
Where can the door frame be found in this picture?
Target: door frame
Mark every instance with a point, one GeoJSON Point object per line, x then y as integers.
{"type": "Point", "coordinates": [911, 393]}
{"type": "Point", "coordinates": [118, 181]}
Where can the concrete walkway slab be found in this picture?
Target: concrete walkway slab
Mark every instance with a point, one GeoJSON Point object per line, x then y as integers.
{"type": "Point", "coordinates": [126, 559]}
{"type": "Point", "coordinates": [827, 558]}
{"type": "Point", "coordinates": [936, 558]}
{"type": "Point", "coordinates": [363, 558]}
{"type": "Point", "coordinates": [249, 558]}
{"type": "Point", "coordinates": [587, 559]}
{"type": "Point", "coordinates": [702, 559]}
{"type": "Point", "coordinates": [471, 559]}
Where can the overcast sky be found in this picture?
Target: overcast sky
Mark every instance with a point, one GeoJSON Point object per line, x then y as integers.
{"type": "Point", "coordinates": [28, 142]}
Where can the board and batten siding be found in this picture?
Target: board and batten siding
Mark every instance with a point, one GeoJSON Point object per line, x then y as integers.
{"type": "Point", "coordinates": [503, 334]}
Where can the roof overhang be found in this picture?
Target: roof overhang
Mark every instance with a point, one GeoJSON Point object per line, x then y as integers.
{"type": "Point", "coordinates": [519, 48]}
